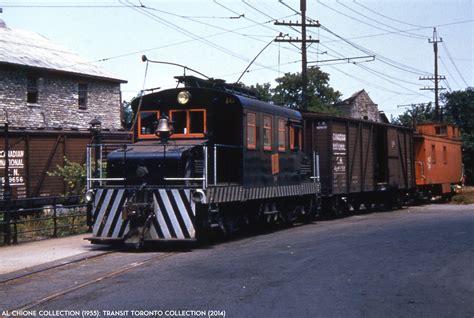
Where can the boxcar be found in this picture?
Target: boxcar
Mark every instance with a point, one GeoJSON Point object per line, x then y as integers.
{"type": "Point", "coordinates": [361, 162]}
{"type": "Point", "coordinates": [32, 153]}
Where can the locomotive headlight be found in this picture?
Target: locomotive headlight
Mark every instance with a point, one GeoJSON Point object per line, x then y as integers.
{"type": "Point", "coordinates": [89, 196]}
{"type": "Point", "coordinates": [184, 97]}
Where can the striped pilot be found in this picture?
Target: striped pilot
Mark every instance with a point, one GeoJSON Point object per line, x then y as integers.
{"type": "Point", "coordinates": [205, 157]}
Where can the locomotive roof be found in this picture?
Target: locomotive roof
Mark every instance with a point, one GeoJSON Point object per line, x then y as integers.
{"type": "Point", "coordinates": [258, 105]}
{"type": "Point", "coordinates": [246, 102]}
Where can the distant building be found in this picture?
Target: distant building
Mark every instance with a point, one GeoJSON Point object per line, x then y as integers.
{"type": "Point", "coordinates": [360, 106]}
{"type": "Point", "coordinates": [42, 85]}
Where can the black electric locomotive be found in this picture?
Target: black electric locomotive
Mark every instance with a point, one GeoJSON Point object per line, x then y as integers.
{"type": "Point", "coordinates": [206, 156]}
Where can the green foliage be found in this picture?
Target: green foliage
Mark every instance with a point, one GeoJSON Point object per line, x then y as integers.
{"type": "Point", "coordinates": [424, 113]}
{"type": "Point", "coordinates": [74, 175]}
{"type": "Point", "coordinates": [288, 92]}
{"type": "Point", "coordinates": [321, 97]}
{"type": "Point", "coordinates": [459, 109]}
{"type": "Point", "coordinates": [127, 115]}
{"type": "Point", "coordinates": [263, 91]}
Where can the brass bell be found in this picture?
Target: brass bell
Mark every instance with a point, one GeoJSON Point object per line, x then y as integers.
{"type": "Point", "coordinates": [164, 128]}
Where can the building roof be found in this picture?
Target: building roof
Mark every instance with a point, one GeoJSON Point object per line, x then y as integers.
{"type": "Point", "coordinates": [26, 48]}
{"type": "Point", "coordinates": [351, 99]}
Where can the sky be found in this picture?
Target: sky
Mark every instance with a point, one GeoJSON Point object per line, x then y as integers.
{"type": "Point", "coordinates": [220, 38]}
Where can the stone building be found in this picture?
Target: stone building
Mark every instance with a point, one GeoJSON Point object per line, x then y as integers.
{"type": "Point", "coordinates": [42, 85]}
{"type": "Point", "coordinates": [360, 106]}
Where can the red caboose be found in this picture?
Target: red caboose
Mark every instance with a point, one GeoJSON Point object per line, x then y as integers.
{"type": "Point", "coordinates": [438, 159]}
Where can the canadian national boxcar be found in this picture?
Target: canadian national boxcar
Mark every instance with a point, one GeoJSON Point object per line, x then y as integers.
{"type": "Point", "coordinates": [205, 157]}
{"type": "Point", "coordinates": [362, 162]}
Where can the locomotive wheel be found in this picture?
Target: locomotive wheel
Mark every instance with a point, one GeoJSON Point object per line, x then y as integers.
{"type": "Point", "coordinates": [311, 210]}
{"type": "Point", "coordinates": [288, 212]}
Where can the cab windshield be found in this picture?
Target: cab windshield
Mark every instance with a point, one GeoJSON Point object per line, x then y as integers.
{"type": "Point", "coordinates": [189, 123]}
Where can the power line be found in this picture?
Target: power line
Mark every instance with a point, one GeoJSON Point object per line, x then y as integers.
{"type": "Point", "coordinates": [454, 64]}
{"type": "Point", "coordinates": [414, 35]}
{"type": "Point", "coordinates": [380, 57]}
{"type": "Point", "coordinates": [186, 32]}
{"type": "Point", "coordinates": [449, 73]}
{"type": "Point", "coordinates": [363, 22]}
{"type": "Point", "coordinates": [387, 17]}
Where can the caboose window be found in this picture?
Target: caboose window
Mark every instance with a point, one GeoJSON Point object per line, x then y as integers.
{"type": "Point", "coordinates": [267, 133]}
{"type": "Point", "coordinates": [188, 123]}
{"type": "Point", "coordinates": [147, 123]}
{"type": "Point", "coordinates": [251, 131]}
{"type": "Point", "coordinates": [441, 130]}
{"type": "Point", "coordinates": [281, 135]}
{"type": "Point", "coordinates": [433, 154]}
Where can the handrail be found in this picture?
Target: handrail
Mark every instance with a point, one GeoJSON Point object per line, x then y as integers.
{"type": "Point", "coordinates": [98, 175]}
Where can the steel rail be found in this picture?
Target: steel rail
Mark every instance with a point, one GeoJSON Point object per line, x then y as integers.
{"type": "Point", "coordinates": [65, 291]}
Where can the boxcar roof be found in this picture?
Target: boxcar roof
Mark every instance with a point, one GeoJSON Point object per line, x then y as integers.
{"type": "Point", "coordinates": [314, 115]}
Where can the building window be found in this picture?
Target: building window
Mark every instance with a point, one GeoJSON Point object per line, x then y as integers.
{"type": "Point", "coordinates": [251, 131]}
{"type": "Point", "coordinates": [267, 133]}
{"type": "Point", "coordinates": [433, 154]}
{"type": "Point", "coordinates": [445, 155]}
{"type": "Point", "coordinates": [82, 93]}
{"type": "Point", "coordinates": [281, 135]}
{"type": "Point", "coordinates": [32, 89]}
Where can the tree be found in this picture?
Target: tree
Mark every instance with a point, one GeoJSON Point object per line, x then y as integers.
{"type": "Point", "coordinates": [419, 113]}
{"type": "Point", "coordinates": [127, 115]}
{"type": "Point", "coordinates": [263, 91]}
{"type": "Point", "coordinates": [459, 109]}
{"type": "Point", "coordinates": [321, 97]}
{"type": "Point", "coordinates": [287, 93]}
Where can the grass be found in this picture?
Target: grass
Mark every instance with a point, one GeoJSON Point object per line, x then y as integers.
{"type": "Point", "coordinates": [465, 197]}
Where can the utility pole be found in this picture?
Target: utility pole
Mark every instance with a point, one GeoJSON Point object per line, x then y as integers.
{"type": "Point", "coordinates": [436, 78]}
{"type": "Point", "coordinates": [304, 42]}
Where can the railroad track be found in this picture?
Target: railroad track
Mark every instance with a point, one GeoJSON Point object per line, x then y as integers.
{"type": "Point", "coordinates": [74, 286]}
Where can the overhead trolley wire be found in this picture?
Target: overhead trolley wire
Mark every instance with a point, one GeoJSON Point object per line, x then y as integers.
{"type": "Point", "coordinates": [366, 23]}
{"type": "Point", "coordinates": [414, 35]}
{"type": "Point", "coordinates": [387, 17]}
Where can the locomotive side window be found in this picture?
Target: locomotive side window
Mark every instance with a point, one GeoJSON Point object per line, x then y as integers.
{"type": "Point", "coordinates": [189, 123]}
{"type": "Point", "coordinates": [281, 135]}
{"type": "Point", "coordinates": [147, 122]}
{"type": "Point", "coordinates": [295, 138]}
{"type": "Point", "coordinates": [267, 133]}
{"type": "Point", "coordinates": [251, 131]}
